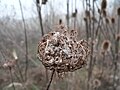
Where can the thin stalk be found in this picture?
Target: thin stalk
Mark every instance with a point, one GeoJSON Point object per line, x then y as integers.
{"type": "Point", "coordinates": [41, 25]}
{"type": "Point", "coordinates": [26, 42]}
{"type": "Point", "coordinates": [21, 75]}
{"type": "Point", "coordinates": [92, 49]}
{"type": "Point", "coordinates": [48, 86]}
{"type": "Point", "coordinates": [9, 70]}
{"type": "Point", "coordinates": [11, 78]}
{"type": "Point", "coordinates": [116, 59]}
{"type": "Point", "coordinates": [68, 14]}
{"type": "Point", "coordinates": [40, 17]}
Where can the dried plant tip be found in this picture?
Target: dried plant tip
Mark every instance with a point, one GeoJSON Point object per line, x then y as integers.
{"type": "Point", "coordinates": [44, 1]}
{"type": "Point", "coordinates": [103, 4]}
{"type": "Point", "coordinates": [118, 11]}
{"type": "Point", "coordinates": [96, 83]}
{"type": "Point", "coordinates": [87, 13]}
{"type": "Point", "coordinates": [62, 53]}
{"type": "Point", "coordinates": [113, 20]}
{"type": "Point", "coordinates": [118, 37]}
{"type": "Point", "coordinates": [94, 19]}
{"type": "Point", "coordinates": [107, 20]}
{"type": "Point", "coordinates": [104, 13]}
{"type": "Point", "coordinates": [37, 1]}
{"type": "Point", "coordinates": [74, 14]}
{"type": "Point", "coordinates": [9, 64]}
{"type": "Point", "coordinates": [85, 19]}
{"type": "Point", "coordinates": [106, 45]}
{"type": "Point", "coordinates": [99, 11]}
{"type": "Point", "coordinates": [60, 21]}
{"type": "Point", "coordinates": [76, 11]}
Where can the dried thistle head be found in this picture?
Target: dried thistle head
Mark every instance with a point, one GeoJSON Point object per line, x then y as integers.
{"type": "Point", "coordinates": [104, 13]}
{"type": "Point", "coordinates": [113, 20]}
{"type": "Point", "coordinates": [9, 64]}
{"type": "Point", "coordinates": [62, 53]}
{"type": "Point", "coordinates": [87, 13]}
{"type": "Point", "coordinates": [118, 11]}
{"type": "Point", "coordinates": [118, 37]}
{"type": "Point", "coordinates": [44, 1]}
{"type": "Point", "coordinates": [37, 1]}
{"type": "Point", "coordinates": [107, 20]}
{"type": "Point", "coordinates": [103, 4]}
{"type": "Point", "coordinates": [99, 11]}
{"type": "Point", "coordinates": [96, 83]}
{"type": "Point", "coordinates": [85, 19]}
{"type": "Point", "coordinates": [60, 21]}
{"type": "Point", "coordinates": [106, 45]}
{"type": "Point", "coordinates": [74, 14]}
{"type": "Point", "coordinates": [94, 19]}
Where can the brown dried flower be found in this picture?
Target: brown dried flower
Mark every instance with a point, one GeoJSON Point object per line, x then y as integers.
{"type": "Point", "coordinates": [104, 13]}
{"type": "Point", "coordinates": [96, 83]}
{"type": "Point", "coordinates": [60, 21]}
{"type": "Point", "coordinates": [103, 4]}
{"type": "Point", "coordinates": [106, 45]}
{"type": "Point", "coordinates": [87, 13]}
{"type": "Point", "coordinates": [118, 37]}
{"type": "Point", "coordinates": [107, 20]}
{"type": "Point", "coordinates": [44, 1]}
{"type": "Point", "coordinates": [9, 64]}
{"type": "Point", "coordinates": [85, 19]}
{"type": "Point", "coordinates": [118, 11]}
{"type": "Point", "coordinates": [37, 1]}
{"type": "Point", "coordinates": [113, 20]}
{"type": "Point", "coordinates": [62, 52]}
{"type": "Point", "coordinates": [99, 11]}
{"type": "Point", "coordinates": [74, 14]}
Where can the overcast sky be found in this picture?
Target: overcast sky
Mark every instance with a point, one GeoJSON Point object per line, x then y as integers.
{"type": "Point", "coordinates": [12, 8]}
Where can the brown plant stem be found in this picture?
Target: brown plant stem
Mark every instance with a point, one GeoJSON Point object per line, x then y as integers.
{"type": "Point", "coordinates": [26, 42]}
{"type": "Point", "coordinates": [68, 14]}
{"type": "Point", "coordinates": [10, 69]}
{"type": "Point", "coordinates": [41, 26]}
{"type": "Point", "coordinates": [48, 86]}
{"type": "Point", "coordinates": [40, 17]}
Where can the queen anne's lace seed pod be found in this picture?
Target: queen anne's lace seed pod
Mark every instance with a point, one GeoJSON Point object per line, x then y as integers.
{"type": "Point", "coordinates": [59, 50]}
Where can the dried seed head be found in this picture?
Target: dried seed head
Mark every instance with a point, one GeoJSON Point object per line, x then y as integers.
{"type": "Point", "coordinates": [87, 13]}
{"type": "Point", "coordinates": [9, 64]}
{"type": "Point", "coordinates": [85, 19]}
{"type": "Point", "coordinates": [60, 21]}
{"type": "Point", "coordinates": [94, 19]}
{"type": "Point", "coordinates": [106, 45]}
{"type": "Point", "coordinates": [37, 1]}
{"type": "Point", "coordinates": [103, 4]}
{"type": "Point", "coordinates": [44, 1]}
{"type": "Point", "coordinates": [96, 83]}
{"type": "Point", "coordinates": [107, 20]}
{"type": "Point", "coordinates": [104, 13]}
{"type": "Point", "coordinates": [113, 20]}
{"type": "Point", "coordinates": [76, 11]}
{"type": "Point", "coordinates": [99, 11]}
{"type": "Point", "coordinates": [74, 14]}
{"type": "Point", "coordinates": [62, 53]}
{"type": "Point", "coordinates": [118, 37]}
{"type": "Point", "coordinates": [118, 11]}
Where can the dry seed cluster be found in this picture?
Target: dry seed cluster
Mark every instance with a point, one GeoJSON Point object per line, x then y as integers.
{"type": "Point", "coordinates": [59, 50]}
